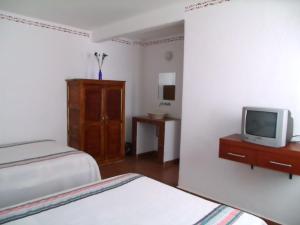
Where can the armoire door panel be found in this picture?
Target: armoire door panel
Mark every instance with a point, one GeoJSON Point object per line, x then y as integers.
{"type": "Point", "coordinates": [74, 117]}
{"type": "Point", "coordinates": [74, 95]}
{"type": "Point", "coordinates": [93, 103]}
{"type": "Point", "coordinates": [74, 137]}
{"type": "Point", "coordinates": [113, 103]}
{"type": "Point", "coordinates": [113, 139]}
{"type": "Point", "coordinates": [92, 140]}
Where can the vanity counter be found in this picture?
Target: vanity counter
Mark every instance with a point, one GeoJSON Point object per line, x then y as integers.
{"type": "Point", "coordinates": [150, 120]}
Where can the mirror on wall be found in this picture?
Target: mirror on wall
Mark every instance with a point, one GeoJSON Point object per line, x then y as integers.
{"type": "Point", "coordinates": [166, 86]}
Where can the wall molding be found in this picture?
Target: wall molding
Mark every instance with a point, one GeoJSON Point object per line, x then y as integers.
{"type": "Point", "coordinates": [45, 25]}
{"type": "Point", "coordinates": [122, 41]}
{"type": "Point", "coordinates": [150, 42]}
{"type": "Point", "coordinates": [203, 4]}
{"type": "Point", "coordinates": [163, 40]}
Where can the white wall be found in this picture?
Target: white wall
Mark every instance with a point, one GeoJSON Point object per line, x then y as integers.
{"type": "Point", "coordinates": [154, 62]}
{"type": "Point", "coordinates": [239, 53]}
{"type": "Point", "coordinates": [34, 63]}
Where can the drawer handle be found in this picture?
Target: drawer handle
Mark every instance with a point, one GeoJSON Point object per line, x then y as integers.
{"type": "Point", "coordinates": [236, 155]}
{"type": "Point", "coordinates": [280, 164]}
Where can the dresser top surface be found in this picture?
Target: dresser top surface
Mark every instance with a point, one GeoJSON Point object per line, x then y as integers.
{"type": "Point", "coordinates": [94, 81]}
{"type": "Point", "coordinates": [236, 138]}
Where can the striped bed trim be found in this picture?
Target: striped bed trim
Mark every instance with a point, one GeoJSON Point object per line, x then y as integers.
{"type": "Point", "coordinates": [58, 200]}
{"type": "Point", "coordinates": [39, 159]}
{"type": "Point", "coordinates": [23, 143]}
{"type": "Point", "coordinates": [222, 215]}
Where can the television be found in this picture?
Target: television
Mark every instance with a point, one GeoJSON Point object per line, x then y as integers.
{"type": "Point", "coordinates": [267, 126]}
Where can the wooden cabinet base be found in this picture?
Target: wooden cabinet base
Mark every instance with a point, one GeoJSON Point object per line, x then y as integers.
{"type": "Point", "coordinates": [286, 159]}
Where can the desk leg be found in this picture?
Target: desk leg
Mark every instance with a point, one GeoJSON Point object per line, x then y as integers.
{"type": "Point", "coordinates": [161, 142]}
{"type": "Point", "coordinates": [134, 134]}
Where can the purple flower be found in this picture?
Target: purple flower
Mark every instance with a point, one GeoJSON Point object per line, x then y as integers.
{"type": "Point", "coordinates": [97, 55]}
{"type": "Point", "coordinates": [103, 57]}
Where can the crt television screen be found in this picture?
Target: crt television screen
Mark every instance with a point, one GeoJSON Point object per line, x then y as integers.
{"type": "Point", "coordinates": [260, 123]}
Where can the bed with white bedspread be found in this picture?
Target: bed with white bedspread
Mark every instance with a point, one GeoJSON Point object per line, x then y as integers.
{"type": "Point", "coordinates": [35, 169]}
{"type": "Point", "coordinates": [129, 199]}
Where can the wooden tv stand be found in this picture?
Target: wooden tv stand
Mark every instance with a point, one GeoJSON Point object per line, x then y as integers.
{"type": "Point", "coordinates": [285, 159]}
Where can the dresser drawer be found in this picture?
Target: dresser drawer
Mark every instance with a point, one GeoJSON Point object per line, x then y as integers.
{"type": "Point", "coordinates": [236, 153]}
{"type": "Point", "coordinates": [279, 162]}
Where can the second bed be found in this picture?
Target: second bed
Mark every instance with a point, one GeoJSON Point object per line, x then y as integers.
{"type": "Point", "coordinates": [34, 169]}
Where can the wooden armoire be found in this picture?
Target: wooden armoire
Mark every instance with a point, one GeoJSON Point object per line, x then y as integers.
{"type": "Point", "coordinates": [96, 118]}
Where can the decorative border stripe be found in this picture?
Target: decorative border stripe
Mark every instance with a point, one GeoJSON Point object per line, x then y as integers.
{"type": "Point", "coordinates": [122, 41]}
{"type": "Point", "coordinates": [204, 4]}
{"type": "Point", "coordinates": [42, 25]}
{"type": "Point", "coordinates": [149, 43]}
{"type": "Point", "coordinates": [163, 41]}
{"type": "Point", "coordinates": [54, 201]}
{"type": "Point", "coordinates": [39, 159]}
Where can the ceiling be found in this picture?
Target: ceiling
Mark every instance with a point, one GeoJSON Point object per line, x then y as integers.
{"type": "Point", "coordinates": [158, 32]}
{"type": "Point", "coordinates": [84, 14]}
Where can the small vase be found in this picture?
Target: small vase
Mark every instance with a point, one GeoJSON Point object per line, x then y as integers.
{"type": "Point", "coordinates": [100, 75]}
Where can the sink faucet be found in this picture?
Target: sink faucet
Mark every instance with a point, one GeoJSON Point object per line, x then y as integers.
{"type": "Point", "coordinates": [164, 103]}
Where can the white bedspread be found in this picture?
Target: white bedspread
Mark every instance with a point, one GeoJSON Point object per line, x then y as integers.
{"type": "Point", "coordinates": [33, 170]}
{"type": "Point", "coordinates": [129, 199]}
